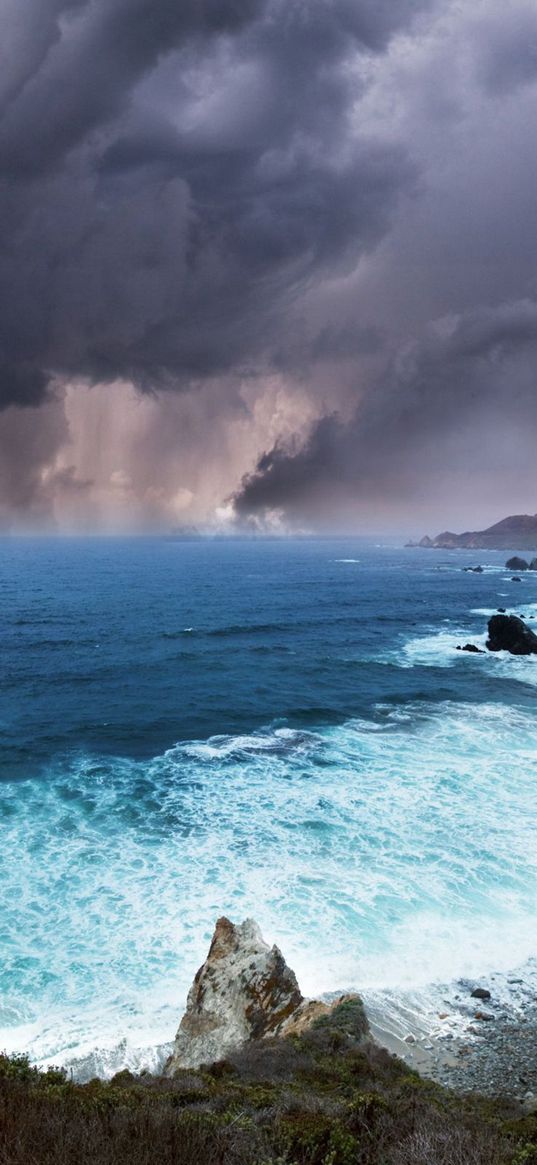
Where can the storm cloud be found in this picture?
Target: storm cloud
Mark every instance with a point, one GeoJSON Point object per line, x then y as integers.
{"type": "Point", "coordinates": [480, 367]}
{"type": "Point", "coordinates": [316, 220]}
{"type": "Point", "coordinates": [172, 174]}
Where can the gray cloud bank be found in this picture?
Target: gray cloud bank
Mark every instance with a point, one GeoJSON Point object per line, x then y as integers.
{"type": "Point", "coordinates": [338, 192]}
{"type": "Point", "coordinates": [171, 174]}
{"type": "Point", "coordinates": [480, 367]}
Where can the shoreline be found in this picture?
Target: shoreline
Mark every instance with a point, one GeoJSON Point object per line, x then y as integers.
{"type": "Point", "coordinates": [477, 1046]}
{"type": "Point", "coordinates": [467, 1044]}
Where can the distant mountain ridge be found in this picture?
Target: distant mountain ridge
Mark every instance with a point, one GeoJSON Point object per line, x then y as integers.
{"type": "Point", "coordinates": [518, 532]}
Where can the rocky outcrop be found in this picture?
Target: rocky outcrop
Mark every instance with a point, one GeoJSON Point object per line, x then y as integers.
{"type": "Point", "coordinates": [517, 563]}
{"type": "Point", "coordinates": [509, 633]}
{"type": "Point", "coordinates": [244, 991]}
{"type": "Point", "coordinates": [471, 647]}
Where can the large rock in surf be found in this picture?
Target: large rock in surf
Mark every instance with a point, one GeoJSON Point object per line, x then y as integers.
{"type": "Point", "coordinates": [517, 563]}
{"type": "Point", "coordinates": [245, 991]}
{"type": "Point", "coordinates": [509, 633]}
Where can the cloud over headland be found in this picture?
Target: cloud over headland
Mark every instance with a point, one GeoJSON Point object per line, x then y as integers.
{"type": "Point", "coordinates": [271, 251]}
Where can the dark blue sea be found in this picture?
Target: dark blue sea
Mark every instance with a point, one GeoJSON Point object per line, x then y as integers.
{"type": "Point", "coordinates": [281, 729]}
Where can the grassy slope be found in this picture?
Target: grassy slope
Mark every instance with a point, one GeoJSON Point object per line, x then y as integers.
{"type": "Point", "coordinates": [325, 1098]}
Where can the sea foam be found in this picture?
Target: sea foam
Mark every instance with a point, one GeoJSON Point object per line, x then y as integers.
{"type": "Point", "coordinates": [385, 855]}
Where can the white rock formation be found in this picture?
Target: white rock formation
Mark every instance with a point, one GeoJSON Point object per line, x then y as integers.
{"type": "Point", "coordinates": [244, 991]}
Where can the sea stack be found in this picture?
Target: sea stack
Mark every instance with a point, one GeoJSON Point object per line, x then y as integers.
{"type": "Point", "coordinates": [245, 991]}
{"type": "Point", "coordinates": [517, 563]}
{"type": "Point", "coordinates": [509, 633]}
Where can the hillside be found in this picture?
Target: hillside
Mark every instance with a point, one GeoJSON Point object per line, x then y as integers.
{"type": "Point", "coordinates": [316, 1099]}
{"type": "Point", "coordinates": [518, 532]}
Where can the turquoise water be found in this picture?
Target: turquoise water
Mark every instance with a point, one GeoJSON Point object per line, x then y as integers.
{"type": "Point", "coordinates": [277, 729]}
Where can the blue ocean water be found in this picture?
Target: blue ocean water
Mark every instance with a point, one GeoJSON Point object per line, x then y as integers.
{"type": "Point", "coordinates": [275, 728]}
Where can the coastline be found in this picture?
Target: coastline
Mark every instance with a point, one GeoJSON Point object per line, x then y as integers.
{"type": "Point", "coordinates": [468, 1045]}
{"type": "Point", "coordinates": [487, 1046]}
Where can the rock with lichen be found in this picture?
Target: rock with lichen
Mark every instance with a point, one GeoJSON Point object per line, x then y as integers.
{"type": "Point", "coordinates": [244, 991]}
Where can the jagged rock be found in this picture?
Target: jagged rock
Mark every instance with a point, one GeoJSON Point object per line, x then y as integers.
{"type": "Point", "coordinates": [472, 648]}
{"type": "Point", "coordinates": [517, 563]}
{"type": "Point", "coordinates": [244, 991]}
{"type": "Point", "coordinates": [509, 633]}
{"type": "Point", "coordinates": [475, 569]}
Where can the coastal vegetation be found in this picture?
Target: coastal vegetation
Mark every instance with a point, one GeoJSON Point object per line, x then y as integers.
{"type": "Point", "coordinates": [312, 1099]}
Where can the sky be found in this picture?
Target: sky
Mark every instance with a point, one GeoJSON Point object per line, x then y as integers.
{"type": "Point", "coordinates": [267, 265]}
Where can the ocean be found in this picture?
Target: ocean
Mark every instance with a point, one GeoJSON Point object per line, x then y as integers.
{"type": "Point", "coordinates": [282, 729]}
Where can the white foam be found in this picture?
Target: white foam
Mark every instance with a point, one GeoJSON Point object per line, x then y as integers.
{"type": "Point", "coordinates": [381, 855]}
{"type": "Point", "coordinates": [487, 612]}
{"type": "Point", "coordinates": [439, 648]}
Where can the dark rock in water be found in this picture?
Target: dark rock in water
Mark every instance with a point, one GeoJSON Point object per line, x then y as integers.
{"type": "Point", "coordinates": [501, 610]}
{"type": "Point", "coordinates": [516, 563]}
{"type": "Point", "coordinates": [474, 569]}
{"type": "Point", "coordinates": [471, 647]}
{"type": "Point", "coordinates": [480, 993]}
{"type": "Point", "coordinates": [515, 578]}
{"type": "Point", "coordinates": [509, 633]}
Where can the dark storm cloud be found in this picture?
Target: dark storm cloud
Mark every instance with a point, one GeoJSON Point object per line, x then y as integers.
{"type": "Point", "coordinates": [92, 62]}
{"type": "Point", "coordinates": [476, 371]}
{"type": "Point", "coordinates": [22, 385]}
{"type": "Point", "coordinates": [172, 174]}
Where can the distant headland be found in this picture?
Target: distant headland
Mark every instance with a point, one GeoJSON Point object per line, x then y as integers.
{"type": "Point", "coordinates": [518, 532]}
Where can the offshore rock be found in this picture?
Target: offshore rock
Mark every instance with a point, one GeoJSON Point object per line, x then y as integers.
{"type": "Point", "coordinates": [517, 563]}
{"type": "Point", "coordinates": [244, 991]}
{"type": "Point", "coordinates": [509, 633]}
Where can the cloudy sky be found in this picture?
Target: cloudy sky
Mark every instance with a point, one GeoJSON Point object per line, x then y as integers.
{"type": "Point", "coordinates": [267, 263]}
